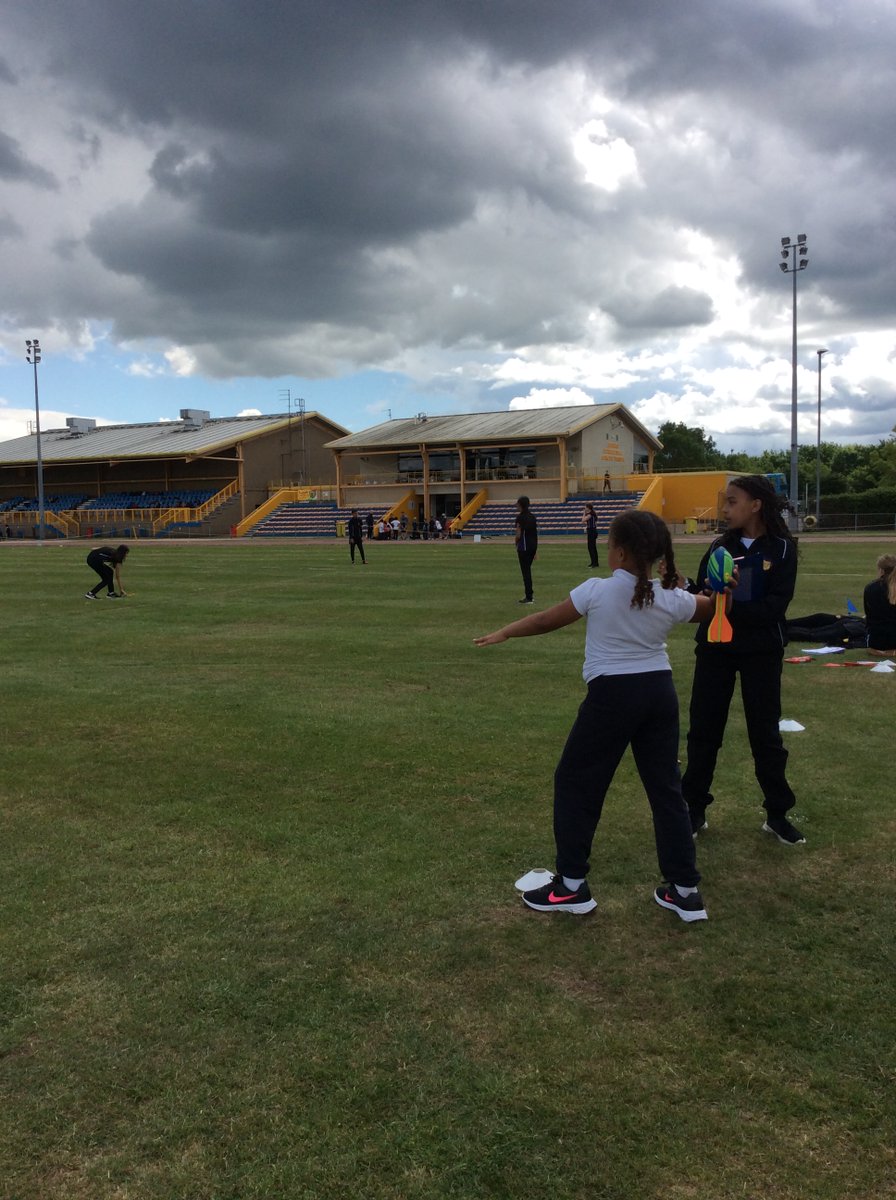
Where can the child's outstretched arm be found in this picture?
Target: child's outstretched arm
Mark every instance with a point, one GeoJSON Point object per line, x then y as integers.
{"type": "Point", "coordinates": [706, 602]}
{"type": "Point", "coordinates": [541, 622]}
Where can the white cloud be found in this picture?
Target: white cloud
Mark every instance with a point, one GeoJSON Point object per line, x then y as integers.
{"type": "Point", "coordinates": [16, 422]}
{"type": "Point", "coordinates": [181, 360]}
{"type": "Point", "coordinates": [551, 398]}
{"type": "Point", "coordinates": [609, 162]}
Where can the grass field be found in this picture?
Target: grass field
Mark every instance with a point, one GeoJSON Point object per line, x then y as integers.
{"type": "Point", "coordinates": [259, 934]}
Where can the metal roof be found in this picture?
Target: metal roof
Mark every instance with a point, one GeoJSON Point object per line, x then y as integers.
{"type": "Point", "coordinates": [161, 439]}
{"type": "Point", "coordinates": [520, 425]}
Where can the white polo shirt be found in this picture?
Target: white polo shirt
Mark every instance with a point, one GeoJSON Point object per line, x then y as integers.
{"type": "Point", "coordinates": [621, 640]}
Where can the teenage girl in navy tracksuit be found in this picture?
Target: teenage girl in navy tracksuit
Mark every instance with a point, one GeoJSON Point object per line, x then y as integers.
{"type": "Point", "coordinates": [758, 537]}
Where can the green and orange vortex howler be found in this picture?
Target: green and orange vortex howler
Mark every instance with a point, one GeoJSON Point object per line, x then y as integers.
{"type": "Point", "coordinates": [719, 573]}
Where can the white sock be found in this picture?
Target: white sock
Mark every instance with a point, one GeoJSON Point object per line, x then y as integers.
{"type": "Point", "coordinates": [575, 884]}
{"type": "Point", "coordinates": [683, 891]}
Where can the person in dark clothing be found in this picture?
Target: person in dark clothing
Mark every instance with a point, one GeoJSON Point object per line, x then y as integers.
{"type": "Point", "coordinates": [880, 606]}
{"type": "Point", "coordinates": [589, 520]}
{"type": "Point", "coordinates": [526, 538]}
{"type": "Point", "coordinates": [764, 551]}
{"type": "Point", "coordinates": [107, 564]}
{"type": "Point", "coordinates": [370, 527]}
{"type": "Point", "coordinates": [607, 485]}
{"type": "Point", "coordinates": [356, 536]}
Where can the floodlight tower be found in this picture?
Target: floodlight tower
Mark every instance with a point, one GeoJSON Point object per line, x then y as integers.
{"type": "Point", "coordinates": [818, 446]}
{"type": "Point", "coordinates": [795, 259]}
{"type": "Point", "coordinates": [32, 355]}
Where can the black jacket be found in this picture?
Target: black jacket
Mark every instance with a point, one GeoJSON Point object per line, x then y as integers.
{"type": "Point", "coordinates": [355, 529]}
{"type": "Point", "coordinates": [527, 531]}
{"type": "Point", "coordinates": [767, 581]}
{"type": "Point", "coordinates": [880, 615]}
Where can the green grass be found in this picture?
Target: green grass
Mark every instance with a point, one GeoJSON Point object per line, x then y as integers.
{"type": "Point", "coordinates": [259, 933]}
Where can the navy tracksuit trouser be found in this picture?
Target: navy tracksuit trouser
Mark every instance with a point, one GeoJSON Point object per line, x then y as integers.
{"type": "Point", "coordinates": [640, 711]}
{"type": "Point", "coordinates": [715, 674]}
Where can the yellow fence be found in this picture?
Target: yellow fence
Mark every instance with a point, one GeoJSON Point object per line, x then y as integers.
{"type": "Point", "coordinates": [469, 511]}
{"type": "Point", "coordinates": [76, 522]}
{"type": "Point", "coordinates": [287, 495]}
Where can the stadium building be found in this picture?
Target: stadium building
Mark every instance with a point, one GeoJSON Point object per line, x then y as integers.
{"type": "Point", "coordinates": [198, 475]}
{"type": "Point", "coordinates": [299, 474]}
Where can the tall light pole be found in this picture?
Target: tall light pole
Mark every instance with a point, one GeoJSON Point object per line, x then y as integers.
{"type": "Point", "coordinates": [32, 356]}
{"type": "Point", "coordinates": [795, 260]}
{"type": "Point", "coordinates": [818, 447]}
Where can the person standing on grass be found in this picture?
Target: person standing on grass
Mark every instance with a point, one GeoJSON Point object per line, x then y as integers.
{"type": "Point", "coordinates": [589, 520]}
{"type": "Point", "coordinates": [356, 536]}
{"type": "Point", "coordinates": [631, 701]}
{"type": "Point", "coordinates": [880, 607]}
{"type": "Point", "coordinates": [757, 536]}
{"type": "Point", "coordinates": [107, 564]}
{"type": "Point", "coordinates": [526, 538]}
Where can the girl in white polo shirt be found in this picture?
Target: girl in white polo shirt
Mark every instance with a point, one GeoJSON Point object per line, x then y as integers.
{"type": "Point", "coordinates": [631, 701]}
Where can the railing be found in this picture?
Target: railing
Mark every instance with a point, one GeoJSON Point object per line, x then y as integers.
{"type": "Point", "coordinates": [406, 506]}
{"type": "Point", "coordinates": [287, 495]}
{"type": "Point", "coordinates": [595, 483]}
{"type": "Point", "coordinates": [469, 510]}
{"type": "Point", "coordinates": [853, 522]}
{"type": "Point", "coordinates": [214, 502]}
{"type": "Point", "coordinates": [30, 520]}
{"type": "Point", "coordinates": [310, 491]}
{"type": "Point", "coordinates": [706, 517]}
{"type": "Point", "coordinates": [169, 516]}
{"type": "Point", "coordinates": [407, 478]}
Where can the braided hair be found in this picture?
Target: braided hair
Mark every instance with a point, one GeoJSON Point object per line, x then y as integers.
{"type": "Point", "coordinates": [646, 539]}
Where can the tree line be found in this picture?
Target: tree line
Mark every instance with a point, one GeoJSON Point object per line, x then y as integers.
{"type": "Point", "coordinates": [852, 469]}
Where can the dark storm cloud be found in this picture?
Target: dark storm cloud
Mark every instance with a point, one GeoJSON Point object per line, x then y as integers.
{"type": "Point", "coordinates": [9, 228]}
{"type": "Point", "coordinates": [15, 167]}
{"type": "Point", "coordinates": [369, 179]}
{"type": "Point", "coordinates": [672, 308]}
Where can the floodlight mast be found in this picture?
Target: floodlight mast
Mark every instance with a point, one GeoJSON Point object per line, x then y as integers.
{"type": "Point", "coordinates": [818, 446]}
{"type": "Point", "coordinates": [32, 355]}
{"type": "Point", "coordinates": [795, 259]}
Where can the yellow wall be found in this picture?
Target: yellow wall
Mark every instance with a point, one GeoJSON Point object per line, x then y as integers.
{"type": "Point", "coordinates": [681, 494]}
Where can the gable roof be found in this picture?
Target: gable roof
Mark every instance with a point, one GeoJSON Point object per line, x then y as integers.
{"type": "Point", "coordinates": [159, 439]}
{"type": "Point", "coordinates": [519, 425]}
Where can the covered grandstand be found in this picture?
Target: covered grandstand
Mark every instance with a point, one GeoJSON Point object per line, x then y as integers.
{"type": "Point", "coordinates": [198, 474]}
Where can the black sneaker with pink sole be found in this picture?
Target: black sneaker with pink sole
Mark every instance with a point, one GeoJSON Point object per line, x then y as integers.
{"type": "Point", "coordinates": [557, 897]}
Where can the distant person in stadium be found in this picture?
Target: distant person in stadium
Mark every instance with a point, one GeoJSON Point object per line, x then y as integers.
{"type": "Point", "coordinates": [526, 538]}
{"type": "Point", "coordinates": [356, 536]}
{"type": "Point", "coordinates": [607, 486]}
{"type": "Point", "coordinates": [880, 607]}
{"type": "Point", "coordinates": [589, 520]}
{"type": "Point", "coordinates": [107, 564]}
{"type": "Point", "coordinates": [370, 526]}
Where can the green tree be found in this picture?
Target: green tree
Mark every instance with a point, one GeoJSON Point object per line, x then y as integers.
{"type": "Point", "coordinates": [686, 448]}
{"type": "Point", "coordinates": [883, 463]}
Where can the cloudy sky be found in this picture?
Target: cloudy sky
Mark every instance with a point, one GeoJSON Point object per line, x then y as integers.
{"type": "Point", "coordinates": [394, 206]}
